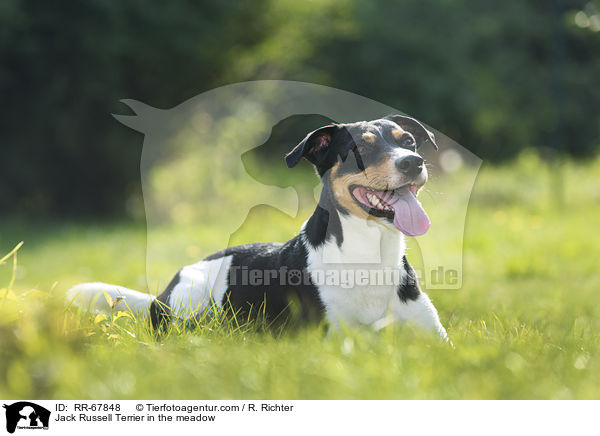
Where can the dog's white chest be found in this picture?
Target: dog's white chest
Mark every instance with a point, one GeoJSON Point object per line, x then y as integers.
{"type": "Point", "coordinates": [358, 280]}
{"type": "Point", "coordinates": [362, 305]}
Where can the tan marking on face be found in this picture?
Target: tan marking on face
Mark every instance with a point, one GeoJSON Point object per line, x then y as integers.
{"type": "Point", "coordinates": [342, 194]}
{"type": "Point", "coordinates": [334, 169]}
{"type": "Point", "coordinates": [377, 177]}
{"type": "Point", "coordinates": [397, 133]}
{"type": "Point", "coordinates": [368, 137]}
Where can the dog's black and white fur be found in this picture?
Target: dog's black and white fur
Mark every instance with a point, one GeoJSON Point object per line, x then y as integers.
{"type": "Point", "coordinates": [364, 167]}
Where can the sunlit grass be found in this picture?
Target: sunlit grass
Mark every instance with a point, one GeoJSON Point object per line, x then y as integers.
{"type": "Point", "coordinates": [525, 324]}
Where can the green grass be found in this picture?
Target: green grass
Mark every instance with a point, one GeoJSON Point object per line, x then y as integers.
{"type": "Point", "coordinates": [525, 324]}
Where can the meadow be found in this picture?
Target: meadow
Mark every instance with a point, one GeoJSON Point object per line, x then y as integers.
{"type": "Point", "coordinates": [525, 324]}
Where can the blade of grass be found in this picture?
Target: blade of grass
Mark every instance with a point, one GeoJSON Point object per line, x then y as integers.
{"type": "Point", "coordinates": [12, 253]}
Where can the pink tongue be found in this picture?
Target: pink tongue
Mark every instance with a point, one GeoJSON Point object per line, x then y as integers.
{"type": "Point", "coordinates": [410, 217]}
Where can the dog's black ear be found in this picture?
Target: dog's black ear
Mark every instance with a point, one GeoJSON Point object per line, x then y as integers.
{"type": "Point", "coordinates": [314, 147]}
{"type": "Point", "coordinates": [421, 134]}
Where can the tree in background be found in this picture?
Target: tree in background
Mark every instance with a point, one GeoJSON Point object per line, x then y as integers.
{"type": "Point", "coordinates": [496, 77]}
{"type": "Point", "coordinates": [65, 66]}
{"type": "Point", "coordinates": [484, 73]}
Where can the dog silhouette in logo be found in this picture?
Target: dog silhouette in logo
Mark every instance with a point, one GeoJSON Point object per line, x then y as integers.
{"type": "Point", "coordinates": [197, 154]}
{"type": "Point", "coordinates": [26, 413]}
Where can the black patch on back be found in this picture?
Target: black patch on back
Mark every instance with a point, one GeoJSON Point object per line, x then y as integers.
{"type": "Point", "coordinates": [273, 300]}
{"type": "Point", "coordinates": [409, 289]}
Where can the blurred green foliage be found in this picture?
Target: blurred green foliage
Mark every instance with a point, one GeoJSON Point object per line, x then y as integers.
{"type": "Point", "coordinates": [497, 77]}
{"type": "Point", "coordinates": [65, 66]}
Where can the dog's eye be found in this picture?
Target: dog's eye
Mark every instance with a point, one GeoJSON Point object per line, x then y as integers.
{"type": "Point", "coordinates": [407, 141]}
{"type": "Point", "coordinates": [359, 148]}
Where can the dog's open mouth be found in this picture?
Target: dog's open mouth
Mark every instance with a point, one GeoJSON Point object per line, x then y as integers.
{"type": "Point", "coordinates": [400, 206]}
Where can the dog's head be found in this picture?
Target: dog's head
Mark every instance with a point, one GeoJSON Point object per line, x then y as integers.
{"type": "Point", "coordinates": [371, 169]}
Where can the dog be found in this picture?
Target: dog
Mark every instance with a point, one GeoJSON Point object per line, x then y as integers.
{"type": "Point", "coordinates": [371, 173]}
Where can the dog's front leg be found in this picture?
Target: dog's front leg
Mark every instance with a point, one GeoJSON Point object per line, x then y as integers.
{"type": "Point", "coordinates": [420, 312]}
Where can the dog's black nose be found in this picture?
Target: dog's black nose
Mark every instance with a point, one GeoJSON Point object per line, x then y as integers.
{"type": "Point", "coordinates": [410, 165]}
